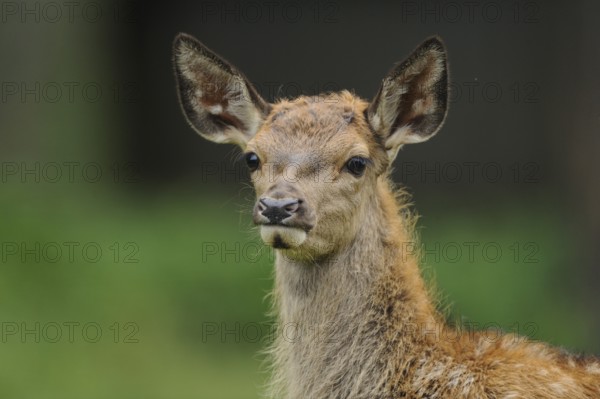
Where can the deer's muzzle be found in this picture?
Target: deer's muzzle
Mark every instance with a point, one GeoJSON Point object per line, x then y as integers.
{"type": "Point", "coordinates": [284, 221]}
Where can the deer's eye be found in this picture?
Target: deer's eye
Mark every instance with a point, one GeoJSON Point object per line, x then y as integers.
{"type": "Point", "coordinates": [356, 166]}
{"type": "Point", "coordinates": [252, 161]}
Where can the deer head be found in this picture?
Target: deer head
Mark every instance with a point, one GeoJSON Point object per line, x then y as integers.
{"type": "Point", "coordinates": [315, 162]}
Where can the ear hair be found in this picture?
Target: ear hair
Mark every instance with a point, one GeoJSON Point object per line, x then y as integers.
{"type": "Point", "coordinates": [217, 100]}
{"type": "Point", "coordinates": [411, 104]}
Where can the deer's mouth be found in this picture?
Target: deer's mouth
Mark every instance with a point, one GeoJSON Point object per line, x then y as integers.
{"type": "Point", "coordinates": [282, 237]}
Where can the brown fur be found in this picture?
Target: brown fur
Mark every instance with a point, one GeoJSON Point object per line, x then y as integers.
{"type": "Point", "coordinates": [355, 317]}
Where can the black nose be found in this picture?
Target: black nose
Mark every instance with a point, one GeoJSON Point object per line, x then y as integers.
{"type": "Point", "coordinates": [276, 210]}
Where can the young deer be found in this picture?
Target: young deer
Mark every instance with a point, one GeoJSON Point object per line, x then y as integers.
{"type": "Point", "coordinates": [368, 327]}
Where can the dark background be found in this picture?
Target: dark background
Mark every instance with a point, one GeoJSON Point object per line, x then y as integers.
{"type": "Point", "coordinates": [515, 167]}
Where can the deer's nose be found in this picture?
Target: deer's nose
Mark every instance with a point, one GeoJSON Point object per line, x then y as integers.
{"type": "Point", "coordinates": [276, 210]}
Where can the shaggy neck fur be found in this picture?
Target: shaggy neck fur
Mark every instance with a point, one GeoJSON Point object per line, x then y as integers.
{"type": "Point", "coordinates": [334, 315]}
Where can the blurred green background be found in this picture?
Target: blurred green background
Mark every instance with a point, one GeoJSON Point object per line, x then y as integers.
{"type": "Point", "coordinates": [129, 267]}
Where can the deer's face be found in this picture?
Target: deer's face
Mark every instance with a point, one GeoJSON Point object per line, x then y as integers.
{"type": "Point", "coordinates": [314, 161]}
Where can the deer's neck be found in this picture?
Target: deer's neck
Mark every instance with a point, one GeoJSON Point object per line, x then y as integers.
{"type": "Point", "coordinates": [337, 317]}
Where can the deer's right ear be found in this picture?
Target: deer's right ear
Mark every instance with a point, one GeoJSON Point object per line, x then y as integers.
{"type": "Point", "coordinates": [217, 100]}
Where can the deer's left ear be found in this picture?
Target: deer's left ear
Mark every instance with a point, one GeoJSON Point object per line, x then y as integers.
{"type": "Point", "coordinates": [411, 104]}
